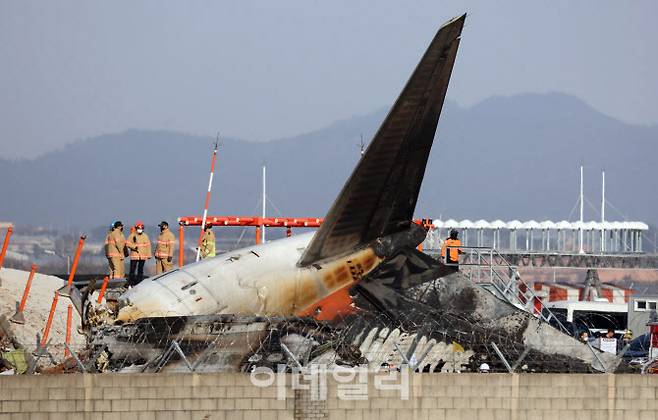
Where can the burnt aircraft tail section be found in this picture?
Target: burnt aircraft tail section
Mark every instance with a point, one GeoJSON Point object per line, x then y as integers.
{"type": "Point", "coordinates": [380, 196]}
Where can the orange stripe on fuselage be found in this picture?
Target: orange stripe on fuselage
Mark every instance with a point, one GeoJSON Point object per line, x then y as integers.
{"type": "Point", "coordinates": [338, 280]}
{"type": "Point", "coordinates": [337, 304]}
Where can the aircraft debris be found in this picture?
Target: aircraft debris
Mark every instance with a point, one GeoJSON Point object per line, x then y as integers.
{"type": "Point", "coordinates": [357, 292]}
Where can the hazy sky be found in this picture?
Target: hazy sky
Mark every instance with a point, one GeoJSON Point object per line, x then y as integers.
{"type": "Point", "coordinates": [267, 69]}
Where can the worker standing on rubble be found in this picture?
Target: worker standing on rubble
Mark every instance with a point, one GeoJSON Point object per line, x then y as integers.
{"type": "Point", "coordinates": [208, 242]}
{"type": "Point", "coordinates": [139, 245]}
{"type": "Point", "coordinates": [115, 248]}
{"type": "Point", "coordinates": [449, 250]}
{"type": "Point", "coordinates": [164, 249]}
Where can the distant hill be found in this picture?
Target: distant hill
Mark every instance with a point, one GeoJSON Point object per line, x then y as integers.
{"type": "Point", "coordinates": [507, 157]}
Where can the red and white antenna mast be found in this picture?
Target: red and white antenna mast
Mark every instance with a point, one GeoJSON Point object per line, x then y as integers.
{"type": "Point", "coordinates": [205, 209]}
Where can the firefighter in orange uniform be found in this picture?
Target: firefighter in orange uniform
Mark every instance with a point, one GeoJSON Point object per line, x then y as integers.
{"type": "Point", "coordinates": [115, 245]}
{"type": "Point", "coordinates": [139, 245]}
{"type": "Point", "coordinates": [451, 255]}
{"type": "Point", "coordinates": [164, 249]}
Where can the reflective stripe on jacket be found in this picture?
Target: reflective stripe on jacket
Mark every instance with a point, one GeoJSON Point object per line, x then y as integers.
{"type": "Point", "coordinates": [165, 245]}
{"type": "Point", "coordinates": [116, 244]}
{"type": "Point", "coordinates": [453, 254]}
{"type": "Point", "coordinates": [139, 246]}
{"type": "Point", "coordinates": [208, 244]}
{"type": "Point", "coordinates": [106, 248]}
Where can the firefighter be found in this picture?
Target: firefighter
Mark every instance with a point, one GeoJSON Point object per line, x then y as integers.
{"type": "Point", "coordinates": [164, 249]}
{"type": "Point", "coordinates": [115, 248]}
{"type": "Point", "coordinates": [139, 245]}
{"type": "Point", "coordinates": [208, 242]}
{"type": "Point", "coordinates": [451, 255]}
{"type": "Point", "coordinates": [107, 248]}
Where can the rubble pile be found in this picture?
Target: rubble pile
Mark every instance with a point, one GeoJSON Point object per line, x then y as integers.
{"type": "Point", "coordinates": [410, 311]}
{"type": "Point", "coordinates": [23, 337]}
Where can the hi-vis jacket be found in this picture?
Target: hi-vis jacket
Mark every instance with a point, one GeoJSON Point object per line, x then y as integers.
{"type": "Point", "coordinates": [208, 244]}
{"type": "Point", "coordinates": [165, 246]}
{"type": "Point", "coordinates": [115, 244]}
{"type": "Point", "coordinates": [139, 246]}
{"type": "Point", "coordinates": [453, 253]}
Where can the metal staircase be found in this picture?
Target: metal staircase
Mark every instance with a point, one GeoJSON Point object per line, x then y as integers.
{"type": "Point", "coordinates": [487, 268]}
{"type": "Point", "coordinates": [491, 271]}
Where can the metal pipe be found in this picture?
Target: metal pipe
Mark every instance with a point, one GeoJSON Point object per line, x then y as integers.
{"type": "Point", "coordinates": [527, 239]}
{"type": "Point", "coordinates": [264, 201]}
{"type": "Point", "coordinates": [106, 280]}
{"type": "Point", "coordinates": [602, 211]}
{"type": "Point", "coordinates": [5, 245]}
{"type": "Point", "coordinates": [205, 207]}
{"type": "Point", "coordinates": [28, 285]}
{"type": "Point", "coordinates": [582, 211]}
{"type": "Point", "coordinates": [69, 318]}
{"type": "Point", "coordinates": [181, 245]}
{"type": "Point", "coordinates": [49, 323]}
{"type": "Point", "coordinates": [18, 316]}
{"type": "Point", "coordinates": [501, 357]}
{"type": "Point", "coordinates": [76, 259]}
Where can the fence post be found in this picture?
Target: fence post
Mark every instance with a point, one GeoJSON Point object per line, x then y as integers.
{"type": "Point", "coordinates": [76, 259]}
{"type": "Point", "coordinates": [103, 287]}
{"type": "Point", "coordinates": [18, 316]}
{"type": "Point", "coordinates": [5, 245]}
{"type": "Point", "coordinates": [181, 245]}
{"type": "Point", "coordinates": [69, 317]}
{"type": "Point", "coordinates": [49, 323]}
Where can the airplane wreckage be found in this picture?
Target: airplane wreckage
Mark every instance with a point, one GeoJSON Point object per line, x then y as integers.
{"type": "Point", "coordinates": [355, 292]}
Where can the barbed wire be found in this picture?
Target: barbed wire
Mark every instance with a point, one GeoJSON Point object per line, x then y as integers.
{"type": "Point", "coordinates": [444, 325]}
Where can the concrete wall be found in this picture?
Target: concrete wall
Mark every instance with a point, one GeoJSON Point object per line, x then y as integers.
{"type": "Point", "coordinates": [232, 396]}
{"type": "Point", "coordinates": [637, 320]}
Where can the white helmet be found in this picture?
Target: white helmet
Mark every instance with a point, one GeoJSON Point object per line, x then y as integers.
{"type": "Point", "coordinates": [484, 367]}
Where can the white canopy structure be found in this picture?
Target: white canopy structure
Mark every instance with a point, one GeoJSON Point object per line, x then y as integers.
{"type": "Point", "coordinates": [514, 224]}
{"type": "Point", "coordinates": [498, 224]}
{"type": "Point", "coordinates": [598, 237]}
{"type": "Point", "coordinates": [532, 224]}
{"type": "Point", "coordinates": [563, 225]}
{"type": "Point", "coordinates": [451, 224]}
{"type": "Point", "coordinates": [466, 224]}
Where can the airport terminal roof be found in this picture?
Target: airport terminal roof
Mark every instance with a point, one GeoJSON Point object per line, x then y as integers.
{"type": "Point", "coordinates": [544, 225]}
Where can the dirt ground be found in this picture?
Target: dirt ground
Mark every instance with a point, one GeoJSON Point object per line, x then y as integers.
{"type": "Point", "coordinates": [12, 285]}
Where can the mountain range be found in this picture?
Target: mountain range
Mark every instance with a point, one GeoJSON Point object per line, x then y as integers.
{"type": "Point", "coordinates": [514, 157]}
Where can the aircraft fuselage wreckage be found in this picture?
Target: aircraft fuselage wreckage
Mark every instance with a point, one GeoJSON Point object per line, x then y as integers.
{"type": "Point", "coordinates": [354, 291]}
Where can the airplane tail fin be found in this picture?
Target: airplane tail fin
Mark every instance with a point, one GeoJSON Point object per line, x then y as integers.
{"type": "Point", "coordinates": [380, 196]}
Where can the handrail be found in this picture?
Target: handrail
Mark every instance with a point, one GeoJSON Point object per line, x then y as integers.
{"type": "Point", "coordinates": [504, 285]}
{"type": "Point", "coordinates": [507, 287]}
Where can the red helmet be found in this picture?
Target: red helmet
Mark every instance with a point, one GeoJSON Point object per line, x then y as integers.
{"type": "Point", "coordinates": [139, 224]}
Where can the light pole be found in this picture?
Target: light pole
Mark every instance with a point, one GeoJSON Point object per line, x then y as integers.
{"type": "Point", "coordinates": [67, 258]}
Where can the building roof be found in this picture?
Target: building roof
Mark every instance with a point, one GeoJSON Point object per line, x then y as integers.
{"type": "Point", "coordinates": [533, 224]}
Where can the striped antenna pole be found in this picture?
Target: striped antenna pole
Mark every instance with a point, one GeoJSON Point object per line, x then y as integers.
{"type": "Point", "coordinates": [205, 209]}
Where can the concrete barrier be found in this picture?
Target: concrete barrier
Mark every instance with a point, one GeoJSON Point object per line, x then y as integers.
{"type": "Point", "coordinates": [234, 397]}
